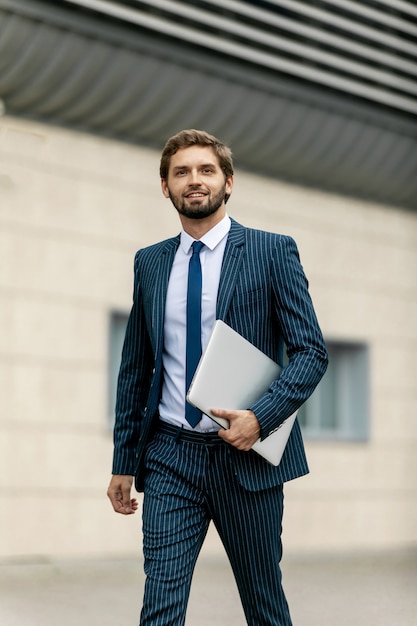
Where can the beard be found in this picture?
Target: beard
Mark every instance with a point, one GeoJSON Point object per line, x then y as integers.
{"type": "Point", "coordinates": [198, 209]}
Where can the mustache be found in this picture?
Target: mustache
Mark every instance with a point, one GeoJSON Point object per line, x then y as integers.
{"type": "Point", "coordinates": [194, 190]}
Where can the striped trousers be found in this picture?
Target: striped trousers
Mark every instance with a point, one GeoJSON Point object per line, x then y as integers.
{"type": "Point", "coordinates": [189, 482]}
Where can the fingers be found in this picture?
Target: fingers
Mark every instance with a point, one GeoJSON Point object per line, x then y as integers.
{"type": "Point", "coordinates": [119, 494]}
{"type": "Point", "coordinates": [244, 428]}
{"type": "Point", "coordinates": [223, 413]}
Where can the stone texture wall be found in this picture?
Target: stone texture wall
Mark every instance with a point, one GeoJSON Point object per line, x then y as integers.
{"type": "Point", "coordinates": [73, 210]}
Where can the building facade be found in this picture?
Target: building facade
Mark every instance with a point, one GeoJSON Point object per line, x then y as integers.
{"type": "Point", "coordinates": [80, 141]}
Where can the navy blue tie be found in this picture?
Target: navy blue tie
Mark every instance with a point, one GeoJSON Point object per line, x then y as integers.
{"type": "Point", "coordinates": [193, 346]}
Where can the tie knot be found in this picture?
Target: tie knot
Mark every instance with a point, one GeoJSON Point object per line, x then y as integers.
{"type": "Point", "coordinates": [197, 245]}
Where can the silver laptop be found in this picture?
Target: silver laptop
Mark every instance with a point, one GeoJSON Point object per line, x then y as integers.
{"type": "Point", "coordinates": [232, 374]}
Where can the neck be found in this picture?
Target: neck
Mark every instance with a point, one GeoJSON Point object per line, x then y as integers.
{"type": "Point", "coordinates": [198, 228]}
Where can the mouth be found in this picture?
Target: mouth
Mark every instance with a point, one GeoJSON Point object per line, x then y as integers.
{"type": "Point", "coordinates": [195, 195]}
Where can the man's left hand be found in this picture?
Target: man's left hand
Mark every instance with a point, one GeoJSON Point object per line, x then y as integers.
{"type": "Point", "coordinates": [244, 428]}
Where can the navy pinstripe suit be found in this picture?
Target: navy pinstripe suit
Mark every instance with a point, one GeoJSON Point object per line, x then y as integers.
{"type": "Point", "coordinates": [263, 295]}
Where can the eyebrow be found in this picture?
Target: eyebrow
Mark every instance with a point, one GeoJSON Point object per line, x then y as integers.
{"type": "Point", "coordinates": [185, 167]}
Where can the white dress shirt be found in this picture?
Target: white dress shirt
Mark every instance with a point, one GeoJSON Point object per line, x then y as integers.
{"type": "Point", "coordinates": [172, 405]}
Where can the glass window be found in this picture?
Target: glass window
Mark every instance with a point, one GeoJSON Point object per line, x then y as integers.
{"type": "Point", "coordinates": [118, 323]}
{"type": "Point", "coordinates": [339, 407]}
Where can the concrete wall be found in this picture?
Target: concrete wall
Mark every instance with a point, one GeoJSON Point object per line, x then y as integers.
{"type": "Point", "coordinates": [73, 210]}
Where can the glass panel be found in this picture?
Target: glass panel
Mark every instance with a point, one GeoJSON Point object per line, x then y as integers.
{"type": "Point", "coordinates": [118, 323]}
{"type": "Point", "coordinates": [338, 407]}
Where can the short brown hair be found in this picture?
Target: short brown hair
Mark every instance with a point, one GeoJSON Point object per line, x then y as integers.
{"type": "Point", "coordinates": [192, 137]}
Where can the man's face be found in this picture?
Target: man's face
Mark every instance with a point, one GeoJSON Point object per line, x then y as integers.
{"type": "Point", "coordinates": [196, 185]}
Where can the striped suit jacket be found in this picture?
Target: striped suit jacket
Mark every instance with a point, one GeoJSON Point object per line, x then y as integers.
{"type": "Point", "coordinates": [263, 295]}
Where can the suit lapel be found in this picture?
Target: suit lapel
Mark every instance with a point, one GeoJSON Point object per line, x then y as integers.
{"type": "Point", "coordinates": [162, 273]}
{"type": "Point", "coordinates": [232, 260]}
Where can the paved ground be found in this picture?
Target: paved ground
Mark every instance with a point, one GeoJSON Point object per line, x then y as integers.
{"type": "Point", "coordinates": [377, 590]}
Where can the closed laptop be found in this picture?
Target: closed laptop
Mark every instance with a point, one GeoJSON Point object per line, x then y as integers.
{"type": "Point", "coordinates": [232, 374]}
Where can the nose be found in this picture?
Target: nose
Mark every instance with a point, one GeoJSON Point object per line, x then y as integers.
{"type": "Point", "coordinates": [194, 177]}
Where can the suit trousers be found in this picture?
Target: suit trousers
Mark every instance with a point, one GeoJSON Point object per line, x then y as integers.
{"type": "Point", "coordinates": [190, 481]}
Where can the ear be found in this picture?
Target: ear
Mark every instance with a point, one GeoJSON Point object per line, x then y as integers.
{"type": "Point", "coordinates": [229, 184]}
{"type": "Point", "coordinates": [164, 187]}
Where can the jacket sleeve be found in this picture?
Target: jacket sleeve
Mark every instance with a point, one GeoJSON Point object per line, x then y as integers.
{"type": "Point", "coordinates": [293, 309]}
{"type": "Point", "coordinates": [132, 385]}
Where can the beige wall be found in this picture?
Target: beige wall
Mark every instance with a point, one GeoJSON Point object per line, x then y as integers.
{"type": "Point", "coordinates": [73, 210]}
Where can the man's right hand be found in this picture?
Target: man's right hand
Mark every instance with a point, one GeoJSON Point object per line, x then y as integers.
{"type": "Point", "coordinates": [119, 494]}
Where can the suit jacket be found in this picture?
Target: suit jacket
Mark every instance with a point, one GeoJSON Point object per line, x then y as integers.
{"type": "Point", "coordinates": [263, 295]}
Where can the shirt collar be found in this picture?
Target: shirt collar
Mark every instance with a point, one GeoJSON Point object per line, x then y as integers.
{"type": "Point", "coordinates": [211, 239]}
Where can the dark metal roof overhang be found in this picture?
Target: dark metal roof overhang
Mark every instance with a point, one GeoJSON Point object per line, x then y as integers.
{"type": "Point", "coordinates": [322, 100]}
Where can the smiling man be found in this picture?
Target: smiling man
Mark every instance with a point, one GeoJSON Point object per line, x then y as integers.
{"type": "Point", "coordinates": [192, 472]}
{"type": "Point", "coordinates": [197, 187]}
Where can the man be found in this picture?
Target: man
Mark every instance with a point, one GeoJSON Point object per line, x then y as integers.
{"type": "Point", "coordinates": [190, 471]}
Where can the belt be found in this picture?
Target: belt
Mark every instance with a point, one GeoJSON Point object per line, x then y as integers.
{"type": "Point", "coordinates": [182, 434]}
